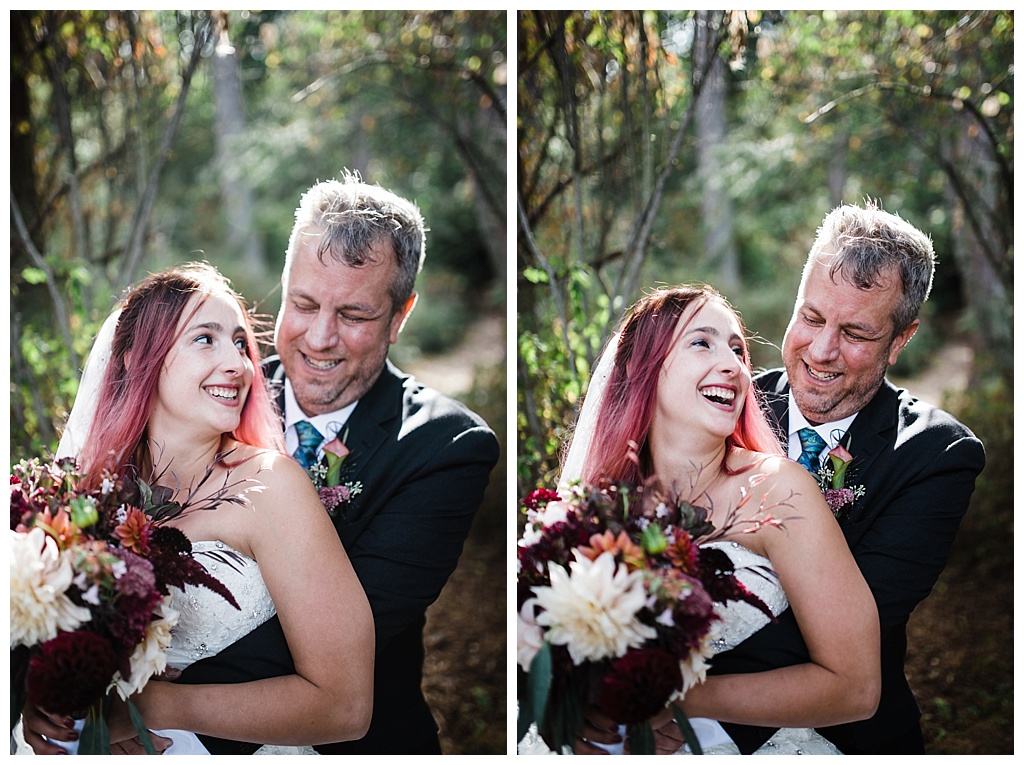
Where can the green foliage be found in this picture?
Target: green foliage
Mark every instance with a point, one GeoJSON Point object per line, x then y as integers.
{"type": "Point", "coordinates": [413, 100]}
{"type": "Point", "coordinates": [824, 107]}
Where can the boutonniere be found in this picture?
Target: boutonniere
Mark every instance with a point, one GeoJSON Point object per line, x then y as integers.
{"type": "Point", "coordinates": [832, 477]}
{"type": "Point", "coordinates": [327, 478]}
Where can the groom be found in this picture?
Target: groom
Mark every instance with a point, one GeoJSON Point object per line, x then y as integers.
{"type": "Point", "coordinates": [865, 279]}
{"type": "Point", "coordinates": [423, 460]}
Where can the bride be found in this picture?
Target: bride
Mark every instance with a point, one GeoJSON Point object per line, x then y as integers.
{"type": "Point", "coordinates": [676, 382]}
{"type": "Point", "coordinates": [182, 393]}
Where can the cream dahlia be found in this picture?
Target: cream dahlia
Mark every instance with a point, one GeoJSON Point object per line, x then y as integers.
{"type": "Point", "coordinates": [40, 577]}
{"type": "Point", "coordinates": [592, 609]}
{"type": "Point", "coordinates": [150, 655]}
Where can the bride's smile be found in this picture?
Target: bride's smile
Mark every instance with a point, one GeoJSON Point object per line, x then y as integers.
{"type": "Point", "coordinates": [206, 375]}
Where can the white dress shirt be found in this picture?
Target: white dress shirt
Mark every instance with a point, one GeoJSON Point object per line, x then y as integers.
{"type": "Point", "coordinates": [330, 424]}
{"type": "Point", "coordinates": [831, 432]}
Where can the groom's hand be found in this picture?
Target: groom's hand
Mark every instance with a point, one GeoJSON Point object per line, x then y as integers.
{"type": "Point", "coordinates": [36, 724]}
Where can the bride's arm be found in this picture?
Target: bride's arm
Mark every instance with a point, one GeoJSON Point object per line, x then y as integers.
{"type": "Point", "coordinates": [326, 620]}
{"type": "Point", "coordinates": [837, 617]}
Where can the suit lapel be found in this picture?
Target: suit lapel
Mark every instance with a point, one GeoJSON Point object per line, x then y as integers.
{"type": "Point", "coordinates": [368, 426]}
{"type": "Point", "coordinates": [865, 439]}
{"type": "Point", "coordinates": [867, 442]}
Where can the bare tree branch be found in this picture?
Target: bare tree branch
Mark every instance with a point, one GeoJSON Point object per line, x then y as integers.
{"type": "Point", "coordinates": [140, 220]}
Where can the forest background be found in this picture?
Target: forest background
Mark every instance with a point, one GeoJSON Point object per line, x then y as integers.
{"type": "Point", "coordinates": [657, 147]}
{"type": "Point", "coordinates": [145, 139]}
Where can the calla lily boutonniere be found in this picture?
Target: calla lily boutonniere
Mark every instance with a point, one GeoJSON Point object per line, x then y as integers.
{"type": "Point", "coordinates": [832, 481]}
{"type": "Point", "coordinates": [327, 478]}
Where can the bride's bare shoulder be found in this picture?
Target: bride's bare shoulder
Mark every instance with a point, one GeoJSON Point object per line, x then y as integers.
{"type": "Point", "coordinates": [785, 474]}
{"type": "Point", "coordinates": [274, 470]}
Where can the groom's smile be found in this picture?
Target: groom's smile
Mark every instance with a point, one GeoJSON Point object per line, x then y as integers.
{"type": "Point", "coordinates": [336, 324]}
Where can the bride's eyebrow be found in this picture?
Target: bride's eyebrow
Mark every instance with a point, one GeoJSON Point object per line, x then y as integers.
{"type": "Point", "coordinates": [214, 326]}
{"type": "Point", "coordinates": [713, 332]}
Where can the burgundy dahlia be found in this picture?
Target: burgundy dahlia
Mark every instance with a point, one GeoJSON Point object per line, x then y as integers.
{"type": "Point", "coordinates": [638, 685]}
{"type": "Point", "coordinates": [71, 672]}
{"type": "Point", "coordinates": [539, 497]}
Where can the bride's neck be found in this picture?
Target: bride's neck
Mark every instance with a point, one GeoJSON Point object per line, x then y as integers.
{"type": "Point", "coordinates": [688, 467]}
{"type": "Point", "coordinates": [180, 460]}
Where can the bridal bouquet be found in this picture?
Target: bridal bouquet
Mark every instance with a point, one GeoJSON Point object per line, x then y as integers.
{"type": "Point", "coordinates": [90, 579]}
{"type": "Point", "coordinates": [616, 603]}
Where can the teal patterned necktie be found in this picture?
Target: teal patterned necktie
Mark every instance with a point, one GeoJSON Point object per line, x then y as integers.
{"type": "Point", "coordinates": [309, 441]}
{"type": "Point", "coordinates": [812, 445]}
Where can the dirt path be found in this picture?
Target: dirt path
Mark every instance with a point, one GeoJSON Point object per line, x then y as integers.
{"type": "Point", "coordinates": [465, 669]}
{"type": "Point", "coordinates": [950, 371]}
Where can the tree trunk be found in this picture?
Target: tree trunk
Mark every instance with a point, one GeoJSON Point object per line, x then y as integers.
{"type": "Point", "coordinates": [974, 236]}
{"type": "Point", "coordinates": [229, 130]}
{"type": "Point", "coordinates": [716, 206]}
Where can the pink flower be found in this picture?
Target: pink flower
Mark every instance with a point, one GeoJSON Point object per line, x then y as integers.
{"type": "Point", "coordinates": [837, 499]}
{"type": "Point", "coordinates": [337, 448]}
{"type": "Point", "coordinates": [841, 459]}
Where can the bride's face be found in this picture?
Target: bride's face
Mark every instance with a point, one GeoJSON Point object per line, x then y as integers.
{"type": "Point", "coordinates": [704, 379]}
{"type": "Point", "coordinates": [207, 374]}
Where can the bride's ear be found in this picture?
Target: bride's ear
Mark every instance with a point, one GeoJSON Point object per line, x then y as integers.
{"type": "Point", "coordinates": [128, 360]}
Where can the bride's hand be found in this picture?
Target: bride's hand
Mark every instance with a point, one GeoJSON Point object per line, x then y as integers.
{"type": "Point", "coordinates": [668, 739]}
{"type": "Point", "coordinates": [36, 724]}
{"type": "Point", "coordinates": [598, 728]}
{"type": "Point", "coordinates": [134, 745]}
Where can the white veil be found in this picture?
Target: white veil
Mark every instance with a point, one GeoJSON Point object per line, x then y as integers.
{"type": "Point", "coordinates": [82, 411]}
{"type": "Point", "coordinates": [583, 435]}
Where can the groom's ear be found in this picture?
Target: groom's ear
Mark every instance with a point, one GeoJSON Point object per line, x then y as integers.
{"type": "Point", "coordinates": [401, 316]}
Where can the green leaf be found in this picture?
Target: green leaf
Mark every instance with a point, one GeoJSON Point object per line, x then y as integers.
{"type": "Point", "coordinates": [535, 275]}
{"type": "Point", "coordinates": [524, 712]}
{"type": "Point", "coordinates": [141, 729]}
{"type": "Point", "coordinates": [641, 738]}
{"type": "Point", "coordinates": [33, 275]}
{"type": "Point", "coordinates": [687, 730]}
{"type": "Point", "coordinates": [540, 683]}
{"type": "Point", "coordinates": [95, 737]}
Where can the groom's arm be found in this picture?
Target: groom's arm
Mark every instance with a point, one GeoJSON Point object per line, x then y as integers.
{"type": "Point", "coordinates": [905, 547]}
{"type": "Point", "coordinates": [411, 545]}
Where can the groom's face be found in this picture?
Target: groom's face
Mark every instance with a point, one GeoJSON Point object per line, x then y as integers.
{"type": "Point", "coordinates": [335, 325]}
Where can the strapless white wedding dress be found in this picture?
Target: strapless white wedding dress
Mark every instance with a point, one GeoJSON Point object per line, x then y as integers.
{"type": "Point", "coordinates": [207, 624]}
{"type": "Point", "coordinates": [739, 621]}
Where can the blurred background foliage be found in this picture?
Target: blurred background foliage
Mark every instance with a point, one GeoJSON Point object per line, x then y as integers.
{"type": "Point", "coordinates": [142, 139]}
{"type": "Point", "coordinates": [657, 147]}
{"type": "Point", "coordinates": [660, 147]}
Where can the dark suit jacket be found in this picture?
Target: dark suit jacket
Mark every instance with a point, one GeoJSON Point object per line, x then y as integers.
{"type": "Point", "coordinates": [918, 466]}
{"type": "Point", "coordinates": [424, 461]}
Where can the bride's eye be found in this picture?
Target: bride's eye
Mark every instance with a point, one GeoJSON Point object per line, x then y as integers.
{"type": "Point", "coordinates": [241, 344]}
{"type": "Point", "coordinates": [700, 342]}
{"type": "Point", "coordinates": [203, 339]}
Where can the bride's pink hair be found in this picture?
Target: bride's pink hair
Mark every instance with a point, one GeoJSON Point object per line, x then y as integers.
{"type": "Point", "coordinates": [619, 450]}
{"type": "Point", "coordinates": [147, 328]}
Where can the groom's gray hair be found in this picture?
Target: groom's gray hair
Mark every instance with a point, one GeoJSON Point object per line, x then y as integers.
{"type": "Point", "coordinates": [866, 242]}
{"type": "Point", "coordinates": [353, 219]}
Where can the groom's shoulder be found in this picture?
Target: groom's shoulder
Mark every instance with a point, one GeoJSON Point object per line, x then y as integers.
{"type": "Point", "coordinates": [425, 406]}
{"type": "Point", "coordinates": [773, 381]}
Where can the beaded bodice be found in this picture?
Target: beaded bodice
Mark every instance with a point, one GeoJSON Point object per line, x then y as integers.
{"type": "Point", "coordinates": [741, 620]}
{"type": "Point", "coordinates": [207, 623]}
